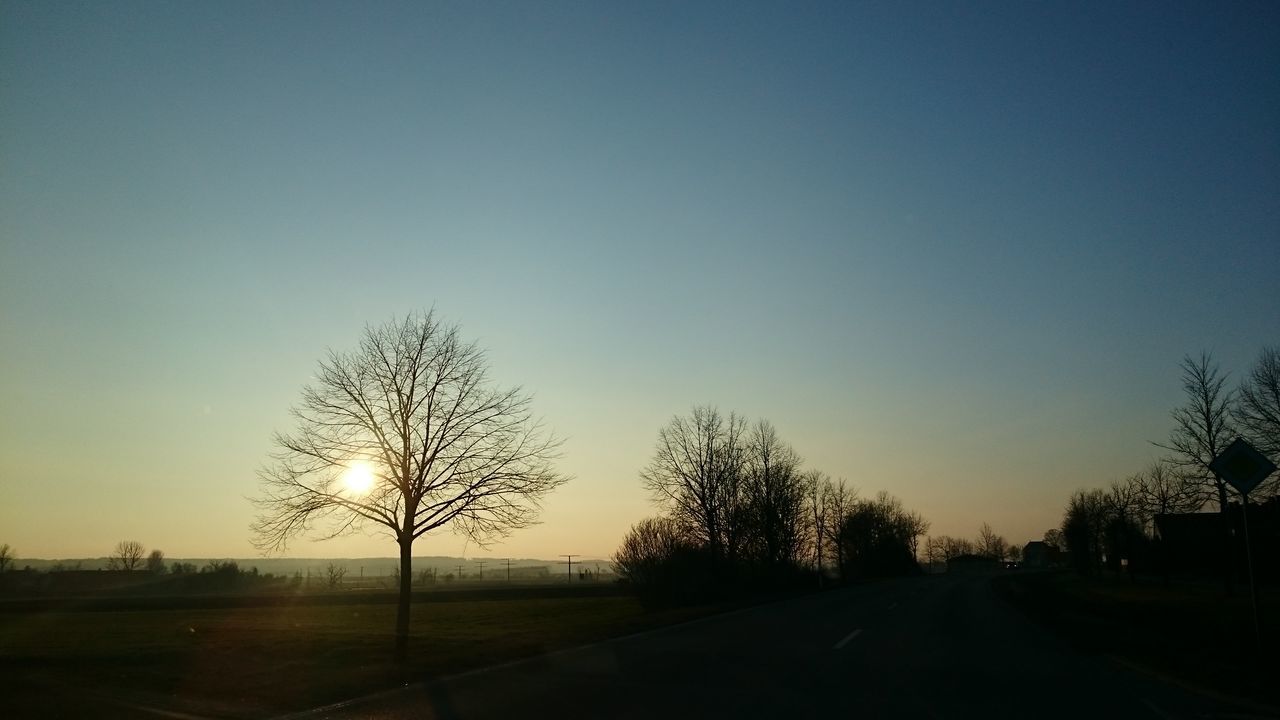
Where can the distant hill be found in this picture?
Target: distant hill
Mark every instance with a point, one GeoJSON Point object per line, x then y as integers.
{"type": "Point", "coordinates": [372, 566]}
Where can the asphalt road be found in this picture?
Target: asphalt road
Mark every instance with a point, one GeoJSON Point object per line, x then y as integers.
{"type": "Point", "coordinates": [928, 647]}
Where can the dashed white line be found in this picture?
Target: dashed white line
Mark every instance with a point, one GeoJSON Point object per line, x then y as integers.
{"type": "Point", "coordinates": [848, 638]}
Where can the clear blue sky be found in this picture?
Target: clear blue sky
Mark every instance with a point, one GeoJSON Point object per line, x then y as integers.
{"type": "Point", "coordinates": [954, 251]}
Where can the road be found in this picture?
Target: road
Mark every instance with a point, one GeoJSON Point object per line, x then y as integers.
{"type": "Point", "coordinates": [928, 647]}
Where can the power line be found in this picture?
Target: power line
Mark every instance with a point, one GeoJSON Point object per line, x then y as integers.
{"type": "Point", "coordinates": [571, 557]}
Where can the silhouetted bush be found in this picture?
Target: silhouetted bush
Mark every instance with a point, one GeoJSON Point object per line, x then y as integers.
{"type": "Point", "coordinates": [877, 537]}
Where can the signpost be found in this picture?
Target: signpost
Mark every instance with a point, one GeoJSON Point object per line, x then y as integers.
{"type": "Point", "coordinates": [1242, 467]}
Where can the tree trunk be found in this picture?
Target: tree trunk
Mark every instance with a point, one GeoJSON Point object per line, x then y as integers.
{"type": "Point", "coordinates": [402, 607]}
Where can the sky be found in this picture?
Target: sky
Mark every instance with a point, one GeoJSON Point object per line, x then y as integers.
{"type": "Point", "coordinates": [954, 251]}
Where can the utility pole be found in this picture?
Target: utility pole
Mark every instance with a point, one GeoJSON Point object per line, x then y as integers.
{"type": "Point", "coordinates": [481, 563]}
{"type": "Point", "coordinates": [508, 561]}
{"type": "Point", "coordinates": [459, 573]}
{"type": "Point", "coordinates": [571, 557]}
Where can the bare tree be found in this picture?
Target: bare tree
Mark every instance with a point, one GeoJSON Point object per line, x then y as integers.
{"type": "Point", "coordinates": [990, 544]}
{"type": "Point", "coordinates": [1084, 529]}
{"type": "Point", "coordinates": [1202, 430]}
{"type": "Point", "coordinates": [1162, 490]}
{"type": "Point", "coordinates": [697, 474]}
{"type": "Point", "coordinates": [841, 500]}
{"type": "Point", "coordinates": [1202, 426]}
{"type": "Point", "coordinates": [1257, 412]}
{"type": "Point", "coordinates": [127, 556]}
{"type": "Point", "coordinates": [1053, 538]}
{"type": "Point", "coordinates": [879, 537]}
{"type": "Point", "coordinates": [334, 573]}
{"type": "Point", "coordinates": [1124, 501]}
{"type": "Point", "coordinates": [646, 553]}
{"type": "Point", "coordinates": [6, 557]}
{"type": "Point", "coordinates": [916, 527]}
{"type": "Point", "coordinates": [155, 562]}
{"type": "Point", "coordinates": [406, 433]}
{"type": "Point", "coordinates": [774, 495]}
{"type": "Point", "coordinates": [946, 547]}
{"type": "Point", "coordinates": [817, 488]}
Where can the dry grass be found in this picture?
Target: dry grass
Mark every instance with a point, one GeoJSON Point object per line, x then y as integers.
{"type": "Point", "coordinates": [244, 662]}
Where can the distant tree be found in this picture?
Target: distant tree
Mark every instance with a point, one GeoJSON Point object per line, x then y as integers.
{"type": "Point", "coordinates": [155, 562]}
{"type": "Point", "coordinates": [776, 524]}
{"type": "Point", "coordinates": [1257, 412]}
{"type": "Point", "coordinates": [1053, 538]}
{"type": "Point", "coordinates": [1013, 553]}
{"type": "Point", "coordinates": [840, 502]}
{"type": "Point", "coordinates": [222, 567]}
{"type": "Point", "coordinates": [878, 536]}
{"type": "Point", "coordinates": [1084, 529]}
{"type": "Point", "coordinates": [335, 573]}
{"type": "Point", "coordinates": [916, 527]}
{"type": "Point", "coordinates": [648, 551]}
{"type": "Point", "coordinates": [1203, 429]}
{"type": "Point", "coordinates": [126, 556]}
{"type": "Point", "coordinates": [1202, 426]}
{"type": "Point", "coordinates": [817, 490]}
{"type": "Point", "coordinates": [182, 568]}
{"type": "Point", "coordinates": [696, 475]}
{"type": "Point", "coordinates": [1125, 500]}
{"type": "Point", "coordinates": [6, 557]}
{"type": "Point", "coordinates": [945, 547]}
{"type": "Point", "coordinates": [990, 545]}
{"type": "Point", "coordinates": [1162, 490]}
{"type": "Point", "coordinates": [435, 444]}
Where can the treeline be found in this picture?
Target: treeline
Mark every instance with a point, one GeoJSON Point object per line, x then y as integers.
{"type": "Point", "coordinates": [1114, 527]}
{"type": "Point", "coordinates": [989, 545]}
{"type": "Point", "coordinates": [739, 511]}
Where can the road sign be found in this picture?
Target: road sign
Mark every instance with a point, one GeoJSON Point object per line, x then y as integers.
{"type": "Point", "coordinates": [1242, 466]}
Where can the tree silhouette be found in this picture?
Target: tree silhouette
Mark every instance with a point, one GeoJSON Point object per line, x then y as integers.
{"type": "Point", "coordinates": [155, 562]}
{"type": "Point", "coordinates": [1163, 490]}
{"type": "Point", "coordinates": [991, 545]}
{"type": "Point", "coordinates": [406, 433]}
{"type": "Point", "coordinates": [1202, 426]}
{"type": "Point", "coordinates": [127, 556]}
{"type": "Point", "coordinates": [6, 557]}
{"type": "Point", "coordinates": [697, 475]}
{"type": "Point", "coordinates": [1257, 412]}
{"type": "Point", "coordinates": [335, 573]}
{"type": "Point", "coordinates": [1203, 429]}
{"type": "Point", "coordinates": [774, 498]}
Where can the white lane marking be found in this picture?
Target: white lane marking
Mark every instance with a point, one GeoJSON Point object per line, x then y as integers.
{"type": "Point", "coordinates": [848, 638]}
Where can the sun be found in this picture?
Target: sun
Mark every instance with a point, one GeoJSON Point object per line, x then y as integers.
{"type": "Point", "coordinates": [358, 479]}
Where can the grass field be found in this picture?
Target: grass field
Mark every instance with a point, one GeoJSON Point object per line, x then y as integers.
{"type": "Point", "coordinates": [256, 661]}
{"type": "Point", "coordinates": [1189, 631]}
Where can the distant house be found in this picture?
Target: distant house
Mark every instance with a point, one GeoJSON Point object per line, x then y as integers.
{"type": "Point", "coordinates": [1039, 554]}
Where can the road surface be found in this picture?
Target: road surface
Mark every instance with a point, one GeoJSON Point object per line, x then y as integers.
{"type": "Point", "coordinates": [928, 647]}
